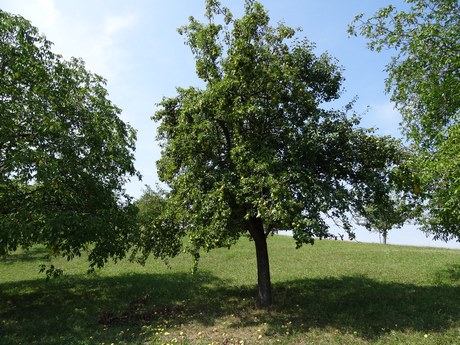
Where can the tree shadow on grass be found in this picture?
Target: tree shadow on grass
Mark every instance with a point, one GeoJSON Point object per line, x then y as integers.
{"type": "Point", "coordinates": [34, 254]}
{"type": "Point", "coordinates": [450, 275]}
{"type": "Point", "coordinates": [92, 310]}
{"type": "Point", "coordinates": [368, 307]}
{"type": "Point", "coordinates": [87, 309]}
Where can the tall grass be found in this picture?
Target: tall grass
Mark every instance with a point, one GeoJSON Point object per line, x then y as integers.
{"type": "Point", "coordinates": [329, 293]}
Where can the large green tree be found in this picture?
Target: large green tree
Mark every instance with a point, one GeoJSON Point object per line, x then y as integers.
{"type": "Point", "coordinates": [424, 82]}
{"type": "Point", "coordinates": [254, 151]}
{"type": "Point", "coordinates": [65, 154]}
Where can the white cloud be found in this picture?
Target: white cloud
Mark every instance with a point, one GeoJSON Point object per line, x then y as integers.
{"type": "Point", "coordinates": [384, 117]}
{"type": "Point", "coordinates": [83, 30]}
{"type": "Point", "coordinates": [51, 12]}
{"type": "Point", "coordinates": [43, 13]}
{"type": "Point", "coordinates": [98, 42]}
{"type": "Point", "coordinates": [115, 24]}
{"type": "Point", "coordinates": [387, 112]}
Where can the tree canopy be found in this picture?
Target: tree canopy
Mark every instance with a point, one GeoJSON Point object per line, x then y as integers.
{"type": "Point", "coordinates": [255, 151]}
{"type": "Point", "coordinates": [424, 81]}
{"type": "Point", "coordinates": [385, 216]}
{"type": "Point", "coordinates": [65, 154]}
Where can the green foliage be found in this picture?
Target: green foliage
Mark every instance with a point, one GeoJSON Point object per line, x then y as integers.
{"type": "Point", "coordinates": [395, 207]}
{"type": "Point", "coordinates": [424, 73]}
{"type": "Point", "coordinates": [65, 155]}
{"type": "Point", "coordinates": [158, 232]}
{"type": "Point", "coordinates": [424, 80]}
{"type": "Point", "coordinates": [440, 173]}
{"type": "Point", "coordinates": [256, 145]}
{"type": "Point", "coordinates": [383, 217]}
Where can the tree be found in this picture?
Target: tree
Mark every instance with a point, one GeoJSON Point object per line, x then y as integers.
{"type": "Point", "coordinates": [158, 234]}
{"type": "Point", "coordinates": [65, 154]}
{"type": "Point", "coordinates": [385, 216]}
{"type": "Point", "coordinates": [424, 81]}
{"type": "Point", "coordinates": [254, 152]}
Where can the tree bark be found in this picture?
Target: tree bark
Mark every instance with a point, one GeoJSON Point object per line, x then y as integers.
{"type": "Point", "coordinates": [264, 287]}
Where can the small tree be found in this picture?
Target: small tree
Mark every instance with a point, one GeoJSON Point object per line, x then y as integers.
{"type": "Point", "coordinates": [424, 81]}
{"type": "Point", "coordinates": [254, 152]}
{"type": "Point", "coordinates": [65, 155]}
{"type": "Point", "coordinates": [383, 217]}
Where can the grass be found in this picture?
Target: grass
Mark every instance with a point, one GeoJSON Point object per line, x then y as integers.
{"type": "Point", "coordinates": [329, 293]}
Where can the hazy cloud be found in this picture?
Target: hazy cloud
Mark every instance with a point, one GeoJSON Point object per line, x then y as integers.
{"type": "Point", "coordinates": [79, 31]}
{"type": "Point", "coordinates": [387, 111]}
{"type": "Point", "coordinates": [115, 24]}
{"type": "Point", "coordinates": [385, 117]}
{"type": "Point", "coordinates": [43, 13]}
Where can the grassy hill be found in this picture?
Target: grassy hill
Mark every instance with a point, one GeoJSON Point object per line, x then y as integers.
{"type": "Point", "coordinates": [330, 293]}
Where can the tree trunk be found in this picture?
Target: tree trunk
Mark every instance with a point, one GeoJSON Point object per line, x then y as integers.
{"type": "Point", "coordinates": [264, 288]}
{"type": "Point", "coordinates": [384, 235]}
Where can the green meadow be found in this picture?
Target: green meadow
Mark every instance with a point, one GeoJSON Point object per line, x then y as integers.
{"type": "Point", "coordinates": [331, 293]}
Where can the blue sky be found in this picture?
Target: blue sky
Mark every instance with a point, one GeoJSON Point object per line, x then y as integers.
{"type": "Point", "coordinates": [135, 46]}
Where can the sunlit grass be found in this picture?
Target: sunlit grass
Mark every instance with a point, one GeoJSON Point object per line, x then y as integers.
{"type": "Point", "coordinates": [330, 293]}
